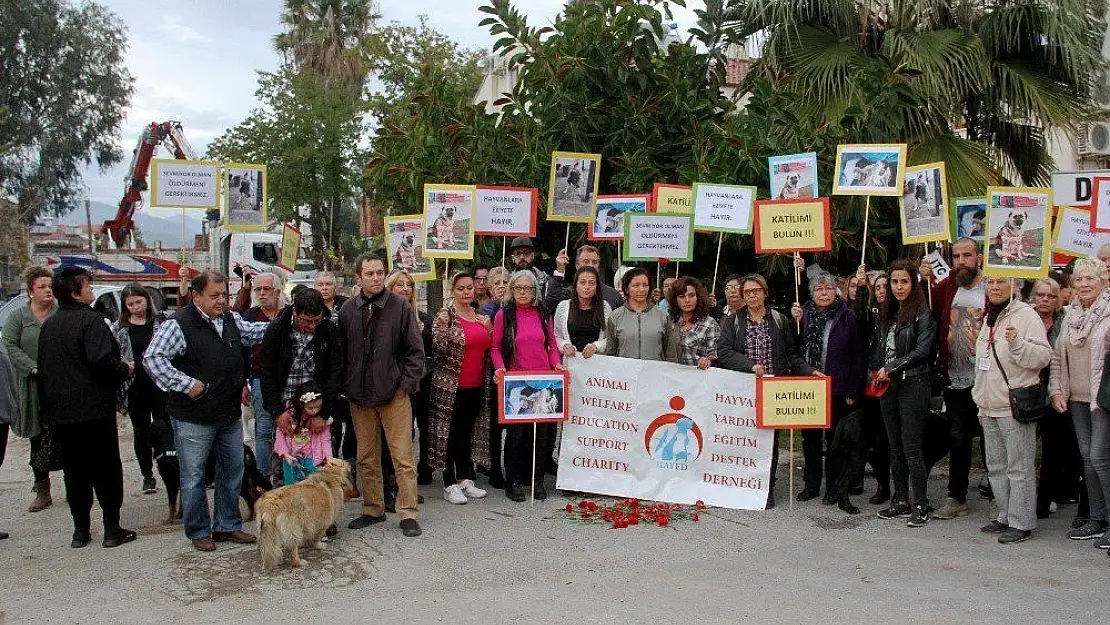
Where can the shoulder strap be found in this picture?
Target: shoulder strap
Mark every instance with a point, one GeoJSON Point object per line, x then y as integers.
{"type": "Point", "coordinates": [1005, 378]}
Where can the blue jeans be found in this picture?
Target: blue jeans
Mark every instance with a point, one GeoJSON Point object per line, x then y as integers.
{"type": "Point", "coordinates": [263, 429]}
{"type": "Point", "coordinates": [1092, 428]}
{"type": "Point", "coordinates": [194, 442]}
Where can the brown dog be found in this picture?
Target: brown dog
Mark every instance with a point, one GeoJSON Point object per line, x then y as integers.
{"type": "Point", "coordinates": [298, 515]}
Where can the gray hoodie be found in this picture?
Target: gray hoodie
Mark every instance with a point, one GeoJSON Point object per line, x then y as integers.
{"type": "Point", "coordinates": [646, 335]}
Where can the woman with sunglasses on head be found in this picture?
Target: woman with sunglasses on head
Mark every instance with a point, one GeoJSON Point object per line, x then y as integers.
{"type": "Point", "coordinates": [524, 340]}
{"type": "Point", "coordinates": [459, 403]}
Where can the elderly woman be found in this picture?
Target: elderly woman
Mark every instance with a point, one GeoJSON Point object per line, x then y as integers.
{"type": "Point", "coordinates": [1077, 365]}
{"type": "Point", "coordinates": [1011, 350]}
{"type": "Point", "coordinates": [21, 339]}
{"type": "Point", "coordinates": [830, 344]}
{"type": "Point", "coordinates": [698, 331]}
{"type": "Point", "coordinates": [762, 341]}
{"type": "Point", "coordinates": [524, 340]}
{"type": "Point", "coordinates": [497, 282]}
{"type": "Point", "coordinates": [640, 329]}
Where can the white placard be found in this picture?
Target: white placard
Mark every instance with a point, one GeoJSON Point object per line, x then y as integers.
{"type": "Point", "coordinates": [940, 268]}
{"type": "Point", "coordinates": [664, 432]}
{"type": "Point", "coordinates": [184, 184]}
{"type": "Point", "coordinates": [655, 236]}
{"type": "Point", "coordinates": [1075, 188]}
{"type": "Point", "coordinates": [1073, 233]}
{"type": "Point", "coordinates": [503, 211]}
{"type": "Point", "coordinates": [723, 208]}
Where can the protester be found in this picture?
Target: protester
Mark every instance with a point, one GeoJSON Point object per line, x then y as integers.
{"type": "Point", "coordinates": [144, 402]}
{"type": "Point", "coordinates": [1061, 472]}
{"type": "Point", "coordinates": [266, 289]}
{"type": "Point", "coordinates": [522, 255]}
{"type": "Point", "coordinates": [524, 340]}
{"type": "Point", "coordinates": [958, 305]}
{"type": "Point", "coordinates": [481, 285]}
{"type": "Point", "coordinates": [761, 341]}
{"type": "Point", "coordinates": [302, 447]}
{"type": "Point", "coordinates": [498, 284]}
{"type": "Point", "coordinates": [639, 329]}
{"type": "Point", "coordinates": [343, 443]}
{"type": "Point", "coordinates": [326, 284]}
{"type": "Point", "coordinates": [830, 344]}
{"type": "Point", "coordinates": [459, 401]}
{"type": "Point", "coordinates": [1104, 254]}
{"type": "Point", "coordinates": [697, 329]}
{"type": "Point", "coordinates": [561, 289]}
{"type": "Point", "coordinates": [301, 345]}
{"type": "Point", "coordinates": [80, 373]}
{"type": "Point", "coordinates": [870, 292]}
{"type": "Point", "coordinates": [1077, 373]}
{"type": "Point", "coordinates": [661, 296]}
{"type": "Point", "coordinates": [384, 357]}
{"type": "Point", "coordinates": [21, 341]}
{"type": "Point", "coordinates": [9, 406]}
{"type": "Point", "coordinates": [401, 283]}
{"type": "Point", "coordinates": [580, 320]}
{"type": "Point", "coordinates": [902, 353]}
{"type": "Point", "coordinates": [196, 358]}
{"type": "Point", "coordinates": [733, 300]}
{"type": "Point", "coordinates": [1012, 348]}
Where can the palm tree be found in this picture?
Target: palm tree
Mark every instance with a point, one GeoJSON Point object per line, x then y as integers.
{"type": "Point", "coordinates": [327, 38]}
{"type": "Point", "coordinates": [975, 83]}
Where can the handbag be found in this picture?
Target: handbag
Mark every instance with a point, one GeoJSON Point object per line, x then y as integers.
{"type": "Point", "coordinates": [49, 457]}
{"type": "Point", "coordinates": [876, 388]}
{"type": "Point", "coordinates": [1028, 403]}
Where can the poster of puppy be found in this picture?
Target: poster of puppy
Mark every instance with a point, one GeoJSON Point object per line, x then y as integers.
{"type": "Point", "coordinates": [969, 218]}
{"type": "Point", "coordinates": [404, 243]}
{"type": "Point", "coordinates": [609, 218]}
{"type": "Point", "coordinates": [793, 177]}
{"type": "Point", "coordinates": [924, 204]}
{"type": "Point", "coordinates": [244, 192]}
{"type": "Point", "coordinates": [572, 187]}
{"type": "Point", "coordinates": [1017, 238]}
{"type": "Point", "coordinates": [870, 169]}
{"type": "Point", "coordinates": [449, 220]}
{"type": "Point", "coordinates": [533, 397]}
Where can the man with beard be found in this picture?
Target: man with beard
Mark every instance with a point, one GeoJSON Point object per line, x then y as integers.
{"type": "Point", "coordinates": [523, 257]}
{"type": "Point", "coordinates": [958, 306]}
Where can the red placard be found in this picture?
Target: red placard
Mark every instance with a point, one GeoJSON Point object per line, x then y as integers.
{"type": "Point", "coordinates": [538, 381]}
{"type": "Point", "coordinates": [822, 242]}
{"type": "Point", "coordinates": [793, 384]}
{"type": "Point", "coordinates": [653, 205]}
{"type": "Point", "coordinates": [534, 221]}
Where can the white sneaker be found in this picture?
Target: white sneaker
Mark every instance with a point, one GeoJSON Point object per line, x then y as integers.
{"type": "Point", "coordinates": [470, 490]}
{"type": "Point", "coordinates": [454, 494]}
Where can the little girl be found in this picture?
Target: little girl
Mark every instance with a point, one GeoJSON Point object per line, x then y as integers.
{"type": "Point", "coordinates": [303, 451]}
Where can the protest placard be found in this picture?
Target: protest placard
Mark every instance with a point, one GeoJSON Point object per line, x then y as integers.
{"type": "Point", "coordinates": [723, 208]}
{"type": "Point", "coordinates": [506, 211]}
{"type": "Point", "coordinates": [1073, 234]}
{"type": "Point", "coordinates": [673, 199]}
{"type": "Point", "coordinates": [793, 402]}
{"type": "Point", "coordinates": [792, 226]}
{"type": "Point", "coordinates": [184, 184]}
{"type": "Point", "coordinates": [652, 237]}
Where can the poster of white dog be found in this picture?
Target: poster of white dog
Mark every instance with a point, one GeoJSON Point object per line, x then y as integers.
{"type": "Point", "coordinates": [1017, 240]}
{"type": "Point", "coordinates": [924, 204]}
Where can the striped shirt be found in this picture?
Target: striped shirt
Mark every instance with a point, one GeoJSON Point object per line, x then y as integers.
{"type": "Point", "coordinates": [169, 343]}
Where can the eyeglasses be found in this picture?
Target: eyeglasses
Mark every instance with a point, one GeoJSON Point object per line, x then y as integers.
{"type": "Point", "coordinates": [753, 291]}
{"type": "Point", "coordinates": [732, 287]}
{"type": "Point", "coordinates": [523, 289]}
{"type": "Point", "coordinates": [263, 289]}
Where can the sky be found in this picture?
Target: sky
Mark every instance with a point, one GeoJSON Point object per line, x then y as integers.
{"type": "Point", "coordinates": [196, 61]}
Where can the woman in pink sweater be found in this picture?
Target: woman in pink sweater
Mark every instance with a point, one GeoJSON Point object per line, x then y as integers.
{"type": "Point", "coordinates": [524, 340]}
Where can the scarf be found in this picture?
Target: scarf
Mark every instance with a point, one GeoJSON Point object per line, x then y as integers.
{"type": "Point", "coordinates": [994, 310]}
{"type": "Point", "coordinates": [1080, 321]}
{"type": "Point", "coordinates": [813, 340]}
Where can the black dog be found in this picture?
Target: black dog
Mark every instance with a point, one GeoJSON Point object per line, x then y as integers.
{"type": "Point", "coordinates": [253, 484]}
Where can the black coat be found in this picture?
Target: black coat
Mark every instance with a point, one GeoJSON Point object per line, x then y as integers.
{"type": "Point", "coordinates": [277, 360]}
{"type": "Point", "coordinates": [914, 347]}
{"type": "Point", "coordinates": [786, 355]}
{"type": "Point", "coordinates": [80, 368]}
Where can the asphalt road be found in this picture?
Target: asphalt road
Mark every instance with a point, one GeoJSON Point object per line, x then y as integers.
{"type": "Point", "coordinates": [495, 561]}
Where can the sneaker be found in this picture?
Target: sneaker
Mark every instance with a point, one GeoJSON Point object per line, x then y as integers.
{"type": "Point", "coordinates": [1104, 542]}
{"type": "Point", "coordinates": [994, 527]}
{"type": "Point", "coordinates": [1079, 522]}
{"type": "Point", "coordinates": [1087, 531]}
{"type": "Point", "coordinates": [919, 517]}
{"type": "Point", "coordinates": [364, 520]}
{"type": "Point", "coordinates": [454, 494]}
{"type": "Point", "coordinates": [149, 485]}
{"type": "Point", "coordinates": [470, 490]}
{"type": "Point", "coordinates": [897, 510]}
{"type": "Point", "coordinates": [951, 509]}
{"type": "Point", "coordinates": [410, 528]}
{"type": "Point", "coordinates": [1014, 535]}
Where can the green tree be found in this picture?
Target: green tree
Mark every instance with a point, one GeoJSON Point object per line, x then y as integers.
{"type": "Point", "coordinates": [327, 38]}
{"type": "Point", "coordinates": [63, 90]}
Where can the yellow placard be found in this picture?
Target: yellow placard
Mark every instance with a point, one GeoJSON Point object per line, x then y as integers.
{"type": "Point", "coordinates": [793, 403]}
{"type": "Point", "coordinates": [672, 199]}
{"type": "Point", "coordinates": [1018, 239]}
{"type": "Point", "coordinates": [290, 247]}
{"type": "Point", "coordinates": [792, 226]}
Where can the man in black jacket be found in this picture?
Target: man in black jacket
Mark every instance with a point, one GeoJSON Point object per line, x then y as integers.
{"type": "Point", "coordinates": [301, 345]}
{"type": "Point", "coordinates": [80, 373]}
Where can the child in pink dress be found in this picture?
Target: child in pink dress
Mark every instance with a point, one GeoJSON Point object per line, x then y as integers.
{"type": "Point", "coordinates": [302, 451]}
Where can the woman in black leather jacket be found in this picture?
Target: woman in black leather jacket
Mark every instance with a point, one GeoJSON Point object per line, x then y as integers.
{"type": "Point", "coordinates": [902, 352]}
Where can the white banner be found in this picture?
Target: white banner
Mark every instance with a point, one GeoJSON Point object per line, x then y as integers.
{"type": "Point", "coordinates": [505, 211]}
{"type": "Point", "coordinates": [1075, 188]}
{"type": "Point", "coordinates": [653, 236]}
{"type": "Point", "coordinates": [184, 184]}
{"type": "Point", "coordinates": [723, 208]}
{"type": "Point", "coordinates": [1074, 236]}
{"type": "Point", "coordinates": [664, 432]}
{"type": "Point", "coordinates": [939, 266]}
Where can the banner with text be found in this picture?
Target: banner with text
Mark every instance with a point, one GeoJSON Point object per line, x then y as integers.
{"type": "Point", "coordinates": [792, 226]}
{"type": "Point", "coordinates": [1073, 233]}
{"type": "Point", "coordinates": [184, 184]}
{"type": "Point", "coordinates": [723, 208]}
{"type": "Point", "coordinates": [648, 236]}
{"type": "Point", "coordinates": [1075, 188]}
{"type": "Point", "coordinates": [674, 199]}
{"type": "Point", "coordinates": [664, 432]}
{"type": "Point", "coordinates": [506, 211]}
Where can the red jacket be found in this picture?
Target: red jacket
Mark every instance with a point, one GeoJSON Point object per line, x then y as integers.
{"type": "Point", "coordinates": [942, 296]}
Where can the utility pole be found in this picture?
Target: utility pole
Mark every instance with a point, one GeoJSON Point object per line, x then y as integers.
{"type": "Point", "coordinates": [88, 224]}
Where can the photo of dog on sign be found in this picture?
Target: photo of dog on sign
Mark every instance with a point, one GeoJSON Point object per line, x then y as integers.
{"type": "Point", "coordinates": [1017, 231]}
{"type": "Point", "coordinates": [449, 221]}
{"type": "Point", "coordinates": [405, 246]}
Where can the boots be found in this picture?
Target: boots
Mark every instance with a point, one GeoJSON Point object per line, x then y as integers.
{"type": "Point", "coordinates": [42, 496]}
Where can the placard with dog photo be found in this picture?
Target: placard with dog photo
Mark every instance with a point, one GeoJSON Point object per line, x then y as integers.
{"type": "Point", "coordinates": [969, 218]}
{"type": "Point", "coordinates": [244, 192]}
{"type": "Point", "coordinates": [449, 220]}
{"type": "Point", "coordinates": [1017, 232]}
{"type": "Point", "coordinates": [572, 186]}
{"type": "Point", "coordinates": [533, 397]}
{"type": "Point", "coordinates": [870, 169]}
{"type": "Point", "coordinates": [924, 204]}
{"type": "Point", "coordinates": [609, 219]}
{"type": "Point", "coordinates": [793, 177]}
{"type": "Point", "coordinates": [404, 243]}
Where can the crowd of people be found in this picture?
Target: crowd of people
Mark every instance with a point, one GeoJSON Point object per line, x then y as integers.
{"type": "Point", "coordinates": [918, 369]}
